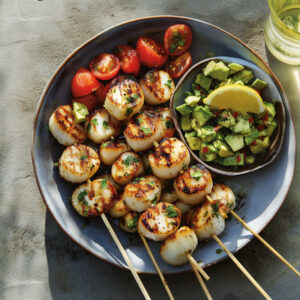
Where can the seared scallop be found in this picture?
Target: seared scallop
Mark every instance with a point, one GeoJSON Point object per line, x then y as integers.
{"type": "Point", "coordinates": [101, 126]}
{"type": "Point", "coordinates": [146, 163]}
{"type": "Point", "coordinates": [124, 99]}
{"type": "Point", "coordinates": [109, 178]}
{"type": "Point", "coordinates": [168, 196]}
{"type": "Point", "coordinates": [78, 163]}
{"type": "Point", "coordinates": [157, 86]}
{"type": "Point", "coordinates": [183, 207]}
{"type": "Point", "coordinates": [159, 221]}
{"type": "Point", "coordinates": [193, 184]}
{"type": "Point", "coordinates": [93, 198]}
{"type": "Point", "coordinates": [177, 246]}
{"type": "Point", "coordinates": [63, 127]}
{"type": "Point", "coordinates": [207, 221]}
{"type": "Point", "coordinates": [224, 194]}
{"type": "Point", "coordinates": [119, 209]}
{"type": "Point", "coordinates": [142, 192]}
{"type": "Point", "coordinates": [126, 167]}
{"type": "Point", "coordinates": [129, 222]}
{"type": "Point", "coordinates": [169, 158]}
{"type": "Point", "coordinates": [166, 118]}
{"type": "Point", "coordinates": [109, 151]}
{"type": "Point", "coordinates": [143, 130]}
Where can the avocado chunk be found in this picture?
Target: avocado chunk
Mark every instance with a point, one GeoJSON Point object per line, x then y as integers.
{"type": "Point", "coordinates": [245, 75]}
{"type": "Point", "coordinates": [184, 109]}
{"type": "Point", "coordinates": [235, 160]}
{"type": "Point", "coordinates": [269, 130]}
{"type": "Point", "coordinates": [80, 112]}
{"type": "Point", "coordinates": [239, 82]}
{"type": "Point", "coordinates": [260, 146]}
{"type": "Point", "coordinates": [234, 67]}
{"type": "Point", "coordinates": [209, 68]}
{"type": "Point", "coordinates": [259, 84]}
{"type": "Point", "coordinates": [207, 133]}
{"type": "Point", "coordinates": [270, 109]}
{"type": "Point", "coordinates": [201, 114]}
{"type": "Point", "coordinates": [220, 71]}
{"type": "Point", "coordinates": [194, 143]}
{"type": "Point", "coordinates": [203, 81]}
{"type": "Point", "coordinates": [250, 159]}
{"type": "Point", "coordinates": [185, 123]}
{"type": "Point", "coordinates": [207, 157]}
{"type": "Point", "coordinates": [212, 149]}
{"type": "Point", "coordinates": [235, 141]}
{"type": "Point", "coordinates": [242, 126]}
{"type": "Point", "coordinates": [226, 119]}
{"type": "Point", "coordinates": [190, 134]}
{"type": "Point", "coordinates": [223, 149]}
{"type": "Point", "coordinates": [195, 124]}
{"type": "Point", "coordinates": [252, 136]}
{"type": "Point", "coordinates": [192, 100]}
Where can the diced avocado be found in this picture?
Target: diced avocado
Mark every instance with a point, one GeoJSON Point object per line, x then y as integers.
{"type": "Point", "coordinates": [239, 82]}
{"type": "Point", "coordinates": [203, 81]}
{"type": "Point", "coordinates": [80, 112]}
{"type": "Point", "coordinates": [207, 133]}
{"type": "Point", "coordinates": [207, 156]}
{"type": "Point", "coordinates": [184, 109]}
{"type": "Point", "coordinates": [234, 67]}
{"type": "Point", "coordinates": [242, 126]}
{"type": "Point", "coordinates": [250, 159]}
{"type": "Point", "coordinates": [235, 160]}
{"type": "Point", "coordinates": [195, 124]}
{"type": "Point", "coordinates": [188, 93]}
{"type": "Point", "coordinates": [192, 100]}
{"type": "Point", "coordinates": [197, 92]}
{"type": "Point", "coordinates": [190, 134]}
{"type": "Point", "coordinates": [201, 114]}
{"type": "Point", "coordinates": [220, 71]}
{"type": "Point", "coordinates": [224, 150]}
{"type": "Point", "coordinates": [271, 127]}
{"type": "Point", "coordinates": [260, 146]}
{"type": "Point", "coordinates": [226, 82]}
{"type": "Point", "coordinates": [212, 149]}
{"type": "Point", "coordinates": [259, 84]}
{"type": "Point", "coordinates": [185, 123]}
{"type": "Point", "coordinates": [271, 109]}
{"type": "Point", "coordinates": [245, 75]}
{"type": "Point", "coordinates": [226, 119]}
{"type": "Point", "coordinates": [253, 135]}
{"type": "Point", "coordinates": [235, 141]}
{"type": "Point", "coordinates": [209, 68]}
{"type": "Point", "coordinates": [194, 143]}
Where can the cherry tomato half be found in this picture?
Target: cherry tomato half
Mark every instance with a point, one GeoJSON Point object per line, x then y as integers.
{"type": "Point", "coordinates": [177, 39]}
{"type": "Point", "coordinates": [129, 60]}
{"type": "Point", "coordinates": [83, 83]}
{"type": "Point", "coordinates": [151, 53]}
{"type": "Point", "coordinates": [179, 65]}
{"type": "Point", "coordinates": [105, 66]}
{"type": "Point", "coordinates": [90, 101]}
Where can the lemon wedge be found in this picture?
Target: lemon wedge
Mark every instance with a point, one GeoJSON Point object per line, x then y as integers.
{"type": "Point", "coordinates": [237, 98]}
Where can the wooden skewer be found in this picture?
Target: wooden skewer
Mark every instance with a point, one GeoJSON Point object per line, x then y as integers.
{"type": "Point", "coordinates": [242, 268]}
{"type": "Point", "coordinates": [157, 267]}
{"type": "Point", "coordinates": [125, 256]}
{"type": "Point", "coordinates": [194, 263]}
{"type": "Point", "coordinates": [264, 242]}
{"type": "Point", "coordinates": [205, 290]}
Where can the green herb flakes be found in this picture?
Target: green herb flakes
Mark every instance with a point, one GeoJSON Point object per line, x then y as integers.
{"type": "Point", "coordinates": [168, 83]}
{"type": "Point", "coordinates": [171, 212]}
{"type": "Point", "coordinates": [83, 157]}
{"type": "Point", "coordinates": [129, 160]}
{"type": "Point", "coordinates": [82, 195]}
{"type": "Point", "coordinates": [128, 111]}
{"type": "Point", "coordinates": [197, 175]}
{"type": "Point", "coordinates": [146, 130]}
{"type": "Point", "coordinates": [95, 121]}
{"type": "Point", "coordinates": [154, 200]}
{"type": "Point", "coordinates": [169, 124]}
{"type": "Point", "coordinates": [103, 184]}
{"type": "Point", "coordinates": [105, 125]}
{"type": "Point", "coordinates": [133, 222]}
{"type": "Point", "coordinates": [135, 96]}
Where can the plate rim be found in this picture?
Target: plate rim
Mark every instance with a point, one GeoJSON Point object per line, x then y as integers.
{"type": "Point", "coordinates": [68, 57]}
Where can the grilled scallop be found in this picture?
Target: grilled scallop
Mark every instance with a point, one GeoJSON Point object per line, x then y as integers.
{"type": "Point", "coordinates": [142, 192]}
{"type": "Point", "coordinates": [119, 209]}
{"type": "Point", "coordinates": [168, 196]}
{"type": "Point", "coordinates": [207, 221]}
{"type": "Point", "coordinates": [124, 99]}
{"type": "Point", "coordinates": [146, 163]}
{"type": "Point", "coordinates": [63, 127]}
{"type": "Point", "coordinates": [93, 198]}
{"type": "Point", "coordinates": [157, 86]}
{"type": "Point", "coordinates": [143, 130]}
{"type": "Point", "coordinates": [78, 163]}
{"type": "Point", "coordinates": [159, 221]}
{"type": "Point", "coordinates": [129, 222]}
{"type": "Point", "coordinates": [183, 207]}
{"type": "Point", "coordinates": [101, 126]}
{"type": "Point", "coordinates": [126, 167]}
{"type": "Point", "coordinates": [224, 194]}
{"type": "Point", "coordinates": [193, 184]}
{"type": "Point", "coordinates": [167, 122]}
{"type": "Point", "coordinates": [109, 178]}
{"type": "Point", "coordinates": [169, 158]}
{"type": "Point", "coordinates": [111, 150]}
{"type": "Point", "coordinates": [177, 246]}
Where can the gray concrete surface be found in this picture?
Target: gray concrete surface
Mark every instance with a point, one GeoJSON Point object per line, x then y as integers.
{"type": "Point", "coordinates": [37, 260]}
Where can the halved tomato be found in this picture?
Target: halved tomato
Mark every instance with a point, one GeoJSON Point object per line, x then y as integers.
{"type": "Point", "coordinates": [151, 53]}
{"type": "Point", "coordinates": [105, 66]}
{"type": "Point", "coordinates": [90, 101]}
{"type": "Point", "coordinates": [83, 83]}
{"type": "Point", "coordinates": [177, 39]}
{"type": "Point", "coordinates": [179, 65]}
{"type": "Point", "coordinates": [128, 58]}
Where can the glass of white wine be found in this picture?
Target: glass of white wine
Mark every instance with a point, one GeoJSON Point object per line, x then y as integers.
{"type": "Point", "coordinates": [282, 31]}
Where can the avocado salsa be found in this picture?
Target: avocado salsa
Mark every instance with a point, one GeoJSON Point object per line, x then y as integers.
{"type": "Point", "coordinates": [225, 137]}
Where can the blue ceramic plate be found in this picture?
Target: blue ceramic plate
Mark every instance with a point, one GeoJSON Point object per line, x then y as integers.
{"type": "Point", "coordinates": [258, 207]}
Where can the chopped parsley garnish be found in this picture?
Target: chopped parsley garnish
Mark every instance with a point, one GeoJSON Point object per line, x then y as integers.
{"type": "Point", "coordinates": [133, 222]}
{"type": "Point", "coordinates": [83, 157]}
{"type": "Point", "coordinates": [146, 130]}
{"type": "Point", "coordinates": [130, 159]}
{"type": "Point", "coordinates": [103, 184]}
{"type": "Point", "coordinates": [169, 124]}
{"type": "Point", "coordinates": [128, 111]}
{"type": "Point", "coordinates": [105, 125]}
{"type": "Point", "coordinates": [177, 41]}
{"type": "Point", "coordinates": [95, 121]}
{"type": "Point", "coordinates": [105, 145]}
{"type": "Point", "coordinates": [168, 83]}
{"type": "Point", "coordinates": [215, 207]}
{"type": "Point", "coordinates": [135, 96]}
{"type": "Point", "coordinates": [81, 195]}
{"type": "Point", "coordinates": [219, 251]}
{"type": "Point", "coordinates": [138, 179]}
{"type": "Point", "coordinates": [154, 201]}
{"type": "Point", "coordinates": [171, 212]}
{"type": "Point", "coordinates": [89, 127]}
{"type": "Point", "coordinates": [197, 175]}
{"type": "Point", "coordinates": [130, 99]}
{"type": "Point", "coordinates": [151, 183]}
{"type": "Point", "coordinates": [56, 165]}
{"type": "Point", "coordinates": [151, 77]}
{"type": "Point", "coordinates": [139, 121]}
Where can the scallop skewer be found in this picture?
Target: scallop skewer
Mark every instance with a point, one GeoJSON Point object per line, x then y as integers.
{"type": "Point", "coordinates": [226, 197]}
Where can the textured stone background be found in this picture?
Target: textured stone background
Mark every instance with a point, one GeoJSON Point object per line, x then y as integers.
{"type": "Point", "coordinates": [37, 260]}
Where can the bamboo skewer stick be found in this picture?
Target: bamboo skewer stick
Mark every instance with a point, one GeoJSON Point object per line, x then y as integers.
{"type": "Point", "coordinates": [194, 263]}
{"type": "Point", "coordinates": [125, 256]}
{"type": "Point", "coordinates": [242, 268]}
{"type": "Point", "coordinates": [157, 267]}
{"type": "Point", "coordinates": [205, 290]}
